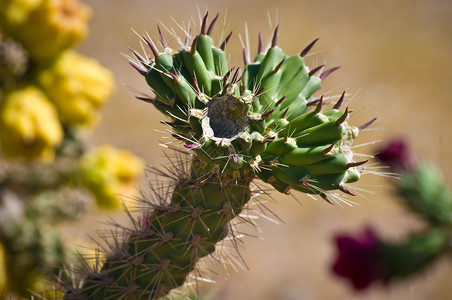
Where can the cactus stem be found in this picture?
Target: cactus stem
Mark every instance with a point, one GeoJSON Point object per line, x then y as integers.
{"type": "Point", "coordinates": [225, 42]}
{"type": "Point", "coordinates": [275, 37]}
{"type": "Point", "coordinates": [339, 102]}
{"type": "Point", "coordinates": [212, 25]}
{"type": "Point", "coordinates": [367, 124]}
{"type": "Point", "coordinates": [204, 24]}
{"type": "Point", "coordinates": [343, 117]}
{"type": "Point", "coordinates": [315, 70]}
{"type": "Point", "coordinates": [193, 45]}
{"type": "Point", "coordinates": [162, 38]}
{"type": "Point", "coordinates": [140, 70]}
{"type": "Point", "coordinates": [356, 164]}
{"type": "Point", "coordinates": [246, 59]}
{"type": "Point", "coordinates": [308, 48]}
{"type": "Point", "coordinates": [151, 46]}
{"type": "Point", "coordinates": [327, 73]}
{"type": "Point", "coordinates": [319, 105]}
{"type": "Point", "coordinates": [260, 47]}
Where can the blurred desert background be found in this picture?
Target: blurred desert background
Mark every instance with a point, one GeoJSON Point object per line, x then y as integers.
{"type": "Point", "coordinates": [396, 66]}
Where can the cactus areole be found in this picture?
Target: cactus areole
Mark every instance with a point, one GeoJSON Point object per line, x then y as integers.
{"type": "Point", "coordinates": [260, 121]}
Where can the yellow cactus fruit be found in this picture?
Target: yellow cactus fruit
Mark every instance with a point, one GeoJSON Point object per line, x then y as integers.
{"type": "Point", "coordinates": [29, 125]}
{"type": "Point", "coordinates": [78, 86]}
{"type": "Point", "coordinates": [45, 27]}
{"type": "Point", "coordinates": [109, 172]}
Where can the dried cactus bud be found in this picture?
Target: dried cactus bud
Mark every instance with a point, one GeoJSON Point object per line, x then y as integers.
{"type": "Point", "coordinates": [45, 27]}
{"type": "Point", "coordinates": [108, 173]}
{"type": "Point", "coordinates": [256, 121]}
{"type": "Point", "coordinates": [78, 86]}
{"type": "Point", "coordinates": [29, 125]}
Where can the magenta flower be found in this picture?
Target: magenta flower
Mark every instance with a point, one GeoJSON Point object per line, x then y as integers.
{"type": "Point", "coordinates": [397, 155]}
{"type": "Point", "coordinates": [357, 259]}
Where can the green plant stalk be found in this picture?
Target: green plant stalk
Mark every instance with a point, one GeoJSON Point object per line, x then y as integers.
{"type": "Point", "coordinates": [165, 246]}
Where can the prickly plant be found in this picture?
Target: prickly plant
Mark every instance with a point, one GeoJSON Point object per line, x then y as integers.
{"type": "Point", "coordinates": [261, 121]}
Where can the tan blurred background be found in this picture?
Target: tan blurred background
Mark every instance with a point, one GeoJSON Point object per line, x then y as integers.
{"type": "Point", "coordinates": [396, 63]}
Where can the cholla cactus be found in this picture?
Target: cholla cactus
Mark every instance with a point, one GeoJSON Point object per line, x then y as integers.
{"type": "Point", "coordinates": [238, 126]}
{"type": "Point", "coordinates": [369, 259]}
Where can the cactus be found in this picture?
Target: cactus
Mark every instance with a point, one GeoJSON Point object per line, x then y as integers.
{"type": "Point", "coordinates": [261, 123]}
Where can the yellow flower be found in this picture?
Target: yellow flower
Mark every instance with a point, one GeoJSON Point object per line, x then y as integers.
{"type": "Point", "coordinates": [45, 27]}
{"type": "Point", "coordinates": [109, 172]}
{"type": "Point", "coordinates": [78, 86]}
{"type": "Point", "coordinates": [29, 125]}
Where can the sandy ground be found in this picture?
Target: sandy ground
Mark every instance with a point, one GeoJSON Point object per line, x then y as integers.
{"type": "Point", "coordinates": [395, 58]}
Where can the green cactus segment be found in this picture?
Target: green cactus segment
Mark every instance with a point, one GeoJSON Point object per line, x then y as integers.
{"type": "Point", "coordinates": [425, 192]}
{"type": "Point", "coordinates": [261, 118]}
{"type": "Point", "coordinates": [165, 246]}
{"type": "Point", "coordinates": [414, 254]}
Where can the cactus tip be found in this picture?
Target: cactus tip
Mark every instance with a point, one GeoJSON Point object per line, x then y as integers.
{"type": "Point", "coordinates": [279, 66]}
{"type": "Point", "coordinates": [225, 42]}
{"type": "Point", "coordinates": [275, 37]}
{"type": "Point", "coordinates": [145, 99]}
{"type": "Point", "coordinates": [356, 164]}
{"type": "Point", "coordinates": [342, 188]}
{"type": "Point", "coordinates": [151, 46]}
{"type": "Point", "coordinates": [367, 124]}
{"type": "Point", "coordinates": [339, 102]}
{"type": "Point", "coordinates": [280, 100]}
{"type": "Point", "coordinates": [162, 38]}
{"type": "Point", "coordinates": [308, 48]}
{"type": "Point", "coordinates": [319, 105]}
{"type": "Point", "coordinates": [194, 44]}
{"type": "Point", "coordinates": [328, 72]}
{"type": "Point", "coordinates": [140, 70]}
{"type": "Point", "coordinates": [212, 25]}
{"type": "Point", "coordinates": [260, 47]}
{"type": "Point", "coordinates": [315, 70]}
{"type": "Point", "coordinates": [328, 149]}
{"type": "Point", "coordinates": [343, 117]}
{"type": "Point", "coordinates": [268, 113]}
{"type": "Point", "coordinates": [204, 24]}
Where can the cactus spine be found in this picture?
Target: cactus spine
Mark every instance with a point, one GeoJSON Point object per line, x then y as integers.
{"type": "Point", "coordinates": [239, 126]}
